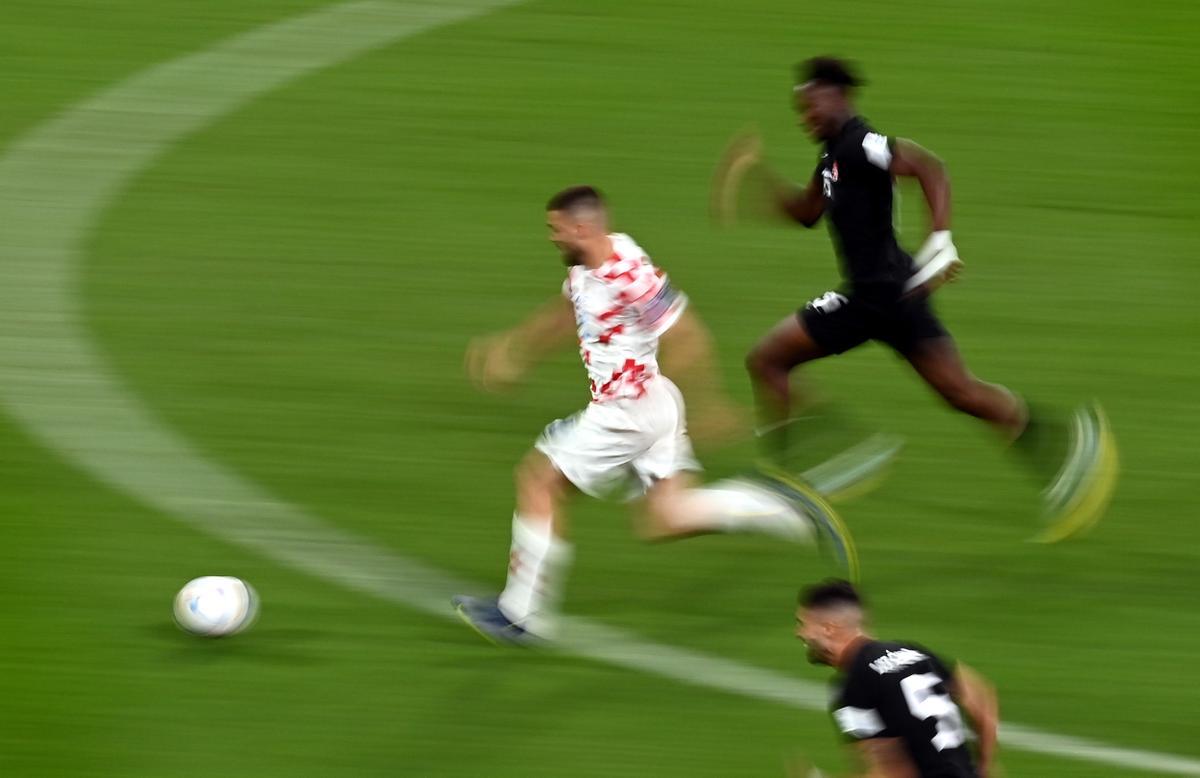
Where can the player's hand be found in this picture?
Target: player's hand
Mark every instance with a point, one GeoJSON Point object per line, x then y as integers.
{"type": "Point", "coordinates": [740, 175]}
{"type": "Point", "coordinates": [799, 767]}
{"type": "Point", "coordinates": [493, 364]}
{"type": "Point", "coordinates": [990, 771]}
{"type": "Point", "coordinates": [937, 263]}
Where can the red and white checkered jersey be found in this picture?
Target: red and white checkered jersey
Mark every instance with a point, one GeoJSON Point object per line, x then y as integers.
{"type": "Point", "coordinates": [621, 309]}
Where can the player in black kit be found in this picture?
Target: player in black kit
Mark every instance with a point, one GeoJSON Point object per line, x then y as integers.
{"type": "Point", "coordinates": [886, 298]}
{"type": "Point", "coordinates": [898, 704]}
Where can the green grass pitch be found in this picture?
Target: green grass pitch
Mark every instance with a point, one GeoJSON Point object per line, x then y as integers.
{"type": "Point", "coordinates": [292, 288]}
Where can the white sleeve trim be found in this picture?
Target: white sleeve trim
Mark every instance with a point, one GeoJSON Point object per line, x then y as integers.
{"type": "Point", "coordinates": [876, 148]}
{"type": "Point", "coordinates": [860, 723]}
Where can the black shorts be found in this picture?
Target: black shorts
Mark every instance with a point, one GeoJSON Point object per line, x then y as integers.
{"type": "Point", "coordinates": [840, 322]}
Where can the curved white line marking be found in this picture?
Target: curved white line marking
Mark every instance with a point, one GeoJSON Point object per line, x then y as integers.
{"type": "Point", "coordinates": [54, 183]}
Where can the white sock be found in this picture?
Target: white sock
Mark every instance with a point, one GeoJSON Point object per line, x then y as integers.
{"type": "Point", "coordinates": [740, 506]}
{"type": "Point", "coordinates": [537, 561]}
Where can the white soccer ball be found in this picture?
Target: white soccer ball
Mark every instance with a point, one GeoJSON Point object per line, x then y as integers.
{"type": "Point", "coordinates": [215, 605]}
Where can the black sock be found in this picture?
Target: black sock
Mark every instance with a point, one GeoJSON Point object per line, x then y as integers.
{"type": "Point", "coordinates": [1043, 443]}
{"type": "Point", "coordinates": [810, 439]}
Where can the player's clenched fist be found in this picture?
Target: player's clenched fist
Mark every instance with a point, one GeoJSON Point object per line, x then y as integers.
{"type": "Point", "coordinates": [493, 363]}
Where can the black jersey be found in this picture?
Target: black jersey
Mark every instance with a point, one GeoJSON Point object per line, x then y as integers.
{"type": "Point", "coordinates": [855, 179]}
{"type": "Point", "coordinates": [901, 690]}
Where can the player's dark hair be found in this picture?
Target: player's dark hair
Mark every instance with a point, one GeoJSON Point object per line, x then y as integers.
{"type": "Point", "coordinates": [829, 71]}
{"type": "Point", "coordinates": [832, 592]}
{"type": "Point", "coordinates": [576, 197]}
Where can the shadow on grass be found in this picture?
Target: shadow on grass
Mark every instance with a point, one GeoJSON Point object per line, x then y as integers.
{"type": "Point", "coordinates": [263, 644]}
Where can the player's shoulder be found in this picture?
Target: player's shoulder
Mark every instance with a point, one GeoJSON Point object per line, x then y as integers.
{"type": "Point", "coordinates": [884, 658]}
{"type": "Point", "coordinates": [627, 249]}
{"type": "Point", "coordinates": [867, 127]}
{"type": "Point", "coordinates": [628, 262]}
{"type": "Point", "coordinates": [869, 652]}
{"type": "Point", "coordinates": [864, 141]}
{"type": "Point", "coordinates": [860, 127]}
{"type": "Point", "coordinates": [575, 273]}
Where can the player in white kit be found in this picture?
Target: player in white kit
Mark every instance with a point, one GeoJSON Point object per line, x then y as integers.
{"type": "Point", "coordinates": [633, 433]}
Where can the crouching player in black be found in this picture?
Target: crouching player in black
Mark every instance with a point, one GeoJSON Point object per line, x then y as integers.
{"type": "Point", "coordinates": [898, 704]}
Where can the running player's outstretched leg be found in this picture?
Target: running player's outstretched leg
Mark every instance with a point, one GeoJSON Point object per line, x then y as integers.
{"type": "Point", "coordinates": [675, 508]}
{"type": "Point", "coordinates": [1076, 458]}
{"type": "Point", "coordinates": [817, 445]}
{"type": "Point", "coordinates": [538, 559]}
{"type": "Point", "coordinates": [770, 364]}
{"type": "Point", "coordinates": [938, 362]}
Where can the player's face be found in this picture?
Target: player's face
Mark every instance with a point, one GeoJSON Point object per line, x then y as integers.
{"type": "Point", "coordinates": [818, 108]}
{"type": "Point", "coordinates": [567, 233]}
{"type": "Point", "coordinates": [814, 631]}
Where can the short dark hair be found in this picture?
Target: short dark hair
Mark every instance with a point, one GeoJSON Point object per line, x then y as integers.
{"type": "Point", "coordinates": [828, 71]}
{"type": "Point", "coordinates": [575, 197]}
{"type": "Point", "coordinates": [832, 592]}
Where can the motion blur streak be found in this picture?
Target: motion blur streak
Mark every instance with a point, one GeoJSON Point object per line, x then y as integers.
{"type": "Point", "coordinates": [55, 183]}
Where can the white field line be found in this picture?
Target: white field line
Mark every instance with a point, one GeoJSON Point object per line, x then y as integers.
{"type": "Point", "coordinates": [54, 184]}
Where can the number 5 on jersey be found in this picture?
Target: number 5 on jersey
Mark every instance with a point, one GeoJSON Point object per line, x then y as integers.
{"type": "Point", "coordinates": [925, 702]}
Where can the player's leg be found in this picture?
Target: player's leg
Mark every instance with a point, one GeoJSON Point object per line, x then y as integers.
{"type": "Point", "coordinates": [675, 507]}
{"type": "Point", "coordinates": [939, 363]}
{"type": "Point", "coordinates": [538, 559]}
{"type": "Point", "coordinates": [770, 363]}
{"type": "Point", "coordinates": [586, 452]}
{"type": "Point", "coordinates": [1075, 457]}
{"type": "Point", "coordinates": [540, 554]}
{"type": "Point", "coordinates": [672, 506]}
{"type": "Point", "coordinates": [914, 330]}
{"type": "Point", "coordinates": [830, 324]}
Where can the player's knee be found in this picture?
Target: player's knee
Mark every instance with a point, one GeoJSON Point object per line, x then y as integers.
{"type": "Point", "coordinates": [759, 364]}
{"type": "Point", "coordinates": [536, 478]}
{"type": "Point", "coordinates": [963, 395]}
{"type": "Point", "coordinates": [523, 474]}
{"type": "Point", "coordinates": [654, 523]}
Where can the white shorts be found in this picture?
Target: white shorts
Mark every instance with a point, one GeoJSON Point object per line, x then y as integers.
{"type": "Point", "coordinates": [619, 443]}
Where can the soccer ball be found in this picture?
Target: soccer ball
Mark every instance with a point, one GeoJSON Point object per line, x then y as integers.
{"type": "Point", "coordinates": [215, 605]}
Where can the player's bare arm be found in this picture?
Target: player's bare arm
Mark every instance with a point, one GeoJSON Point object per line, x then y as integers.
{"type": "Point", "coordinates": [885, 758]}
{"type": "Point", "coordinates": [497, 361]}
{"type": "Point", "coordinates": [803, 205]}
{"type": "Point", "coordinates": [742, 171]}
{"type": "Point", "coordinates": [978, 698]}
{"type": "Point", "coordinates": [910, 160]}
{"type": "Point", "coordinates": [874, 758]}
{"type": "Point", "coordinates": [937, 260]}
{"type": "Point", "coordinates": [689, 359]}
{"type": "Point", "coordinates": [687, 348]}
